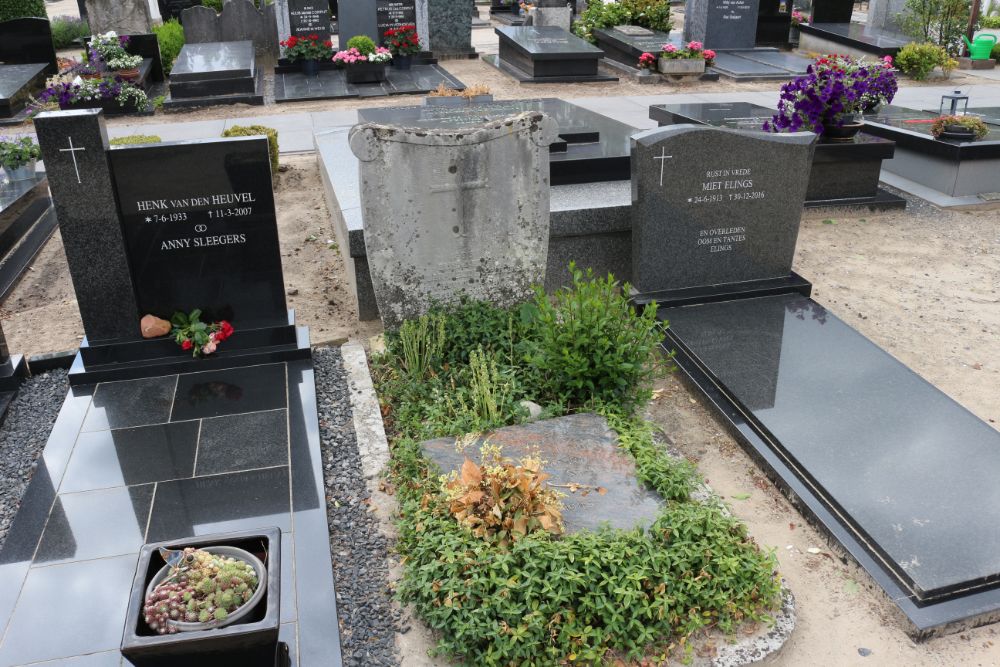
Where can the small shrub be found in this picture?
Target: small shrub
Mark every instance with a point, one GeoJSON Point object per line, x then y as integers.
{"type": "Point", "coordinates": [919, 60]}
{"type": "Point", "coordinates": [67, 29]}
{"type": "Point", "coordinates": [259, 131]}
{"type": "Point", "coordinates": [652, 14]}
{"type": "Point", "coordinates": [16, 9]}
{"type": "Point", "coordinates": [989, 22]}
{"type": "Point", "coordinates": [134, 139]}
{"type": "Point", "coordinates": [170, 37]}
{"type": "Point", "coordinates": [589, 345]}
{"type": "Point", "coordinates": [362, 43]}
{"type": "Point", "coordinates": [502, 499]}
{"type": "Point", "coordinates": [995, 53]}
{"type": "Point", "coordinates": [420, 343]}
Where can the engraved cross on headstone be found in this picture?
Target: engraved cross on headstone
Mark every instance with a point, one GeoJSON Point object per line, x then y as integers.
{"type": "Point", "coordinates": [460, 187]}
{"type": "Point", "coordinates": [663, 157]}
{"type": "Point", "coordinates": [72, 153]}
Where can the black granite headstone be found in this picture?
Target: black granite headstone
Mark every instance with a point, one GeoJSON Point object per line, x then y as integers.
{"type": "Point", "coordinates": [715, 206]}
{"type": "Point", "coordinates": [391, 14]}
{"type": "Point", "coordinates": [832, 11]}
{"type": "Point", "coordinates": [722, 24]}
{"type": "Point", "coordinates": [309, 17]}
{"type": "Point", "coordinates": [27, 41]}
{"type": "Point", "coordinates": [201, 230]}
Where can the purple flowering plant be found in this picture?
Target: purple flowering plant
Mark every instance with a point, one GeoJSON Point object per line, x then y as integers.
{"type": "Point", "coordinates": [69, 93]}
{"type": "Point", "coordinates": [832, 91]}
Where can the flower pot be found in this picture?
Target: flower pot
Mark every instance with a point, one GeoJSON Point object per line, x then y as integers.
{"type": "Point", "coordinates": [682, 66]}
{"type": "Point", "coordinates": [402, 62]}
{"type": "Point", "coordinates": [365, 73]}
{"type": "Point", "coordinates": [25, 172]}
{"type": "Point", "coordinates": [846, 132]}
{"type": "Point", "coordinates": [92, 75]}
{"type": "Point", "coordinates": [958, 133]}
{"type": "Point", "coordinates": [310, 67]}
{"type": "Point", "coordinates": [128, 74]}
{"type": "Point", "coordinates": [242, 611]}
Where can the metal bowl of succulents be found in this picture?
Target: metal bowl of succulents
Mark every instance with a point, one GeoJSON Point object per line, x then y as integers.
{"type": "Point", "coordinates": [202, 589]}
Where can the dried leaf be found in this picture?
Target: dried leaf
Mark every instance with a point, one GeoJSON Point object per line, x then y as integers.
{"type": "Point", "coordinates": [601, 490]}
{"type": "Point", "coordinates": [472, 475]}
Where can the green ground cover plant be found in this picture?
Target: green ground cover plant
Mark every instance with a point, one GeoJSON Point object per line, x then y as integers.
{"type": "Point", "coordinates": [502, 593]}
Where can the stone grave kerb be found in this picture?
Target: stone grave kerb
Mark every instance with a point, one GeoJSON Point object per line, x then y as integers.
{"type": "Point", "coordinates": [74, 147]}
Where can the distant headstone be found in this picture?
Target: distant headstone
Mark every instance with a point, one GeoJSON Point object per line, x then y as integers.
{"type": "Point", "coordinates": [715, 206]}
{"type": "Point", "coordinates": [357, 17]}
{"type": "Point", "coordinates": [885, 14]}
{"type": "Point", "coordinates": [27, 41]}
{"type": "Point", "coordinates": [445, 27]}
{"type": "Point", "coordinates": [393, 14]}
{"type": "Point", "coordinates": [721, 24]}
{"type": "Point", "coordinates": [126, 17]}
{"type": "Point", "coordinates": [832, 11]}
{"type": "Point", "coordinates": [474, 218]}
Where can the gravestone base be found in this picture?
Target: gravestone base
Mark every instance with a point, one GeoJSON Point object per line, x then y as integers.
{"type": "Point", "coordinates": [12, 373]}
{"type": "Point", "coordinates": [547, 54]}
{"type": "Point", "coordinates": [792, 283]}
{"type": "Point", "coordinates": [294, 86]}
{"type": "Point", "coordinates": [18, 83]}
{"type": "Point", "coordinates": [969, 63]}
{"type": "Point", "coordinates": [26, 223]}
{"type": "Point", "coordinates": [162, 356]}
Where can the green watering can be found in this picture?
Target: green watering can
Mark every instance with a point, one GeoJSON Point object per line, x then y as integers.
{"type": "Point", "coordinates": [981, 48]}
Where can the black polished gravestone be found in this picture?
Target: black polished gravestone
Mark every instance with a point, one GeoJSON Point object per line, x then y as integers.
{"type": "Point", "coordinates": [715, 207]}
{"type": "Point", "coordinates": [626, 43]}
{"type": "Point", "coordinates": [309, 17]}
{"type": "Point", "coordinates": [721, 24]}
{"type": "Point", "coordinates": [27, 57]}
{"type": "Point", "coordinates": [394, 14]}
{"type": "Point", "coordinates": [215, 73]}
{"type": "Point", "coordinates": [843, 173]}
{"type": "Point", "coordinates": [547, 54]}
{"type": "Point", "coordinates": [591, 147]}
{"type": "Point", "coordinates": [162, 228]}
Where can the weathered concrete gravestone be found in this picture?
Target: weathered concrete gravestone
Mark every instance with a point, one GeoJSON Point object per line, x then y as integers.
{"type": "Point", "coordinates": [473, 218]}
{"type": "Point", "coordinates": [126, 17]}
{"type": "Point", "coordinates": [239, 21]}
{"type": "Point", "coordinates": [715, 206]}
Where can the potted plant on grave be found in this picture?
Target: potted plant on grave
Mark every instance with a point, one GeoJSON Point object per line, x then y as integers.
{"type": "Point", "coordinates": [18, 156]}
{"type": "Point", "coordinates": [647, 63]}
{"type": "Point", "coordinates": [363, 62]}
{"type": "Point", "coordinates": [404, 44]}
{"type": "Point", "coordinates": [798, 18]}
{"type": "Point", "coordinates": [109, 49]}
{"type": "Point", "coordinates": [828, 99]}
{"type": "Point", "coordinates": [111, 93]}
{"type": "Point", "coordinates": [961, 128]}
{"type": "Point", "coordinates": [692, 59]}
{"type": "Point", "coordinates": [201, 589]}
{"type": "Point", "coordinates": [308, 52]}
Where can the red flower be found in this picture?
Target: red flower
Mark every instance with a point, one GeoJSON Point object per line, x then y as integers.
{"type": "Point", "coordinates": [225, 330]}
{"type": "Point", "coordinates": [314, 37]}
{"type": "Point", "coordinates": [328, 44]}
{"type": "Point", "coordinates": [187, 345]}
{"type": "Point", "coordinates": [292, 41]}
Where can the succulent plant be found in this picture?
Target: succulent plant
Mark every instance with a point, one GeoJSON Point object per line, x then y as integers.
{"type": "Point", "coordinates": [201, 587]}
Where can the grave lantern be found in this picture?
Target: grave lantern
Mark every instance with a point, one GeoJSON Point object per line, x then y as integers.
{"type": "Point", "coordinates": [952, 102]}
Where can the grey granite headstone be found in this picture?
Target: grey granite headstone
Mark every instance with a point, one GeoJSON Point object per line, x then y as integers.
{"type": "Point", "coordinates": [306, 17]}
{"type": "Point", "coordinates": [241, 21]}
{"type": "Point", "coordinates": [578, 449]}
{"type": "Point", "coordinates": [201, 25]}
{"type": "Point", "coordinates": [885, 14]}
{"type": "Point", "coordinates": [560, 17]}
{"type": "Point", "coordinates": [74, 147]}
{"type": "Point", "coordinates": [713, 206]}
{"type": "Point", "coordinates": [357, 17]}
{"type": "Point", "coordinates": [445, 27]}
{"type": "Point", "coordinates": [126, 17]}
{"type": "Point", "coordinates": [393, 14]}
{"type": "Point", "coordinates": [721, 24]}
{"type": "Point", "coordinates": [452, 211]}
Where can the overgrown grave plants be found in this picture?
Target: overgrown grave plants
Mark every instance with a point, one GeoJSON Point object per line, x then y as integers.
{"type": "Point", "coordinates": [512, 589]}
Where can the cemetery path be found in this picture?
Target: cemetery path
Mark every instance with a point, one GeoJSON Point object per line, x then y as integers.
{"type": "Point", "coordinates": [842, 616]}
{"type": "Point", "coordinates": [41, 314]}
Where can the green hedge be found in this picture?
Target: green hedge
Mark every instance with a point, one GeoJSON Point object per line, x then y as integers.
{"type": "Point", "coordinates": [15, 9]}
{"type": "Point", "coordinates": [170, 37]}
{"type": "Point", "coordinates": [259, 131]}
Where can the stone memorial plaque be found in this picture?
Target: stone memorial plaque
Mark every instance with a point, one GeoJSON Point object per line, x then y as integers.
{"type": "Point", "coordinates": [309, 17]}
{"type": "Point", "coordinates": [201, 231]}
{"type": "Point", "coordinates": [722, 24]}
{"type": "Point", "coordinates": [713, 206]}
{"type": "Point", "coordinates": [474, 217]}
{"type": "Point", "coordinates": [392, 14]}
{"type": "Point", "coordinates": [635, 30]}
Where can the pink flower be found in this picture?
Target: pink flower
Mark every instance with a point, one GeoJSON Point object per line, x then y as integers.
{"type": "Point", "coordinates": [695, 46]}
{"type": "Point", "coordinates": [208, 348]}
{"type": "Point", "coordinates": [669, 48]}
{"type": "Point", "coordinates": [708, 54]}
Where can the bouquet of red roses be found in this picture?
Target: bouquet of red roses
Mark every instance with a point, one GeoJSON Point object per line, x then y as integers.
{"type": "Point", "coordinates": [403, 41]}
{"type": "Point", "coordinates": [200, 338]}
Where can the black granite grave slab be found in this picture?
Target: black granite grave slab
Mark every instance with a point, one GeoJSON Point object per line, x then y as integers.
{"type": "Point", "coordinates": [761, 64]}
{"type": "Point", "coordinates": [332, 84]}
{"type": "Point", "coordinates": [911, 129]}
{"type": "Point", "coordinates": [539, 54]}
{"type": "Point", "coordinates": [626, 46]}
{"type": "Point", "coordinates": [27, 41]}
{"type": "Point", "coordinates": [874, 454]}
{"type": "Point", "coordinates": [18, 84]}
{"type": "Point", "coordinates": [27, 220]}
{"type": "Point", "coordinates": [202, 238]}
{"type": "Point", "coordinates": [857, 36]}
{"type": "Point", "coordinates": [97, 496]}
{"type": "Point", "coordinates": [843, 173]}
{"type": "Point", "coordinates": [215, 73]}
{"type": "Point", "coordinates": [596, 147]}
{"type": "Point", "coordinates": [990, 115]}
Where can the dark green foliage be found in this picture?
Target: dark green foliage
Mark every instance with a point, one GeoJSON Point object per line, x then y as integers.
{"type": "Point", "coordinates": [212, 4]}
{"type": "Point", "coordinates": [16, 9]}
{"type": "Point", "coordinates": [652, 14]}
{"type": "Point", "coordinates": [66, 29]}
{"type": "Point", "coordinates": [995, 53]}
{"type": "Point", "coordinates": [940, 22]}
{"type": "Point", "coordinates": [588, 346]}
{"type": "Point", "coordinates": [259, 131]}
{"type": "Point", "coordinates": [170, 37]}
{"type": "Point", "coordinates": [362, 43]}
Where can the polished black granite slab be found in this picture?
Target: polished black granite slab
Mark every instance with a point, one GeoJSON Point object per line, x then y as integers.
{"type": "Point", "coordinates": [596, 147]}
{"type": "Point", "coordinates": [332, 84]}
{"type": "Point", "coordinates": [760, 64]}
{"type": "Point", "coordinates": [245, 456]}
{"type": "Point", "coordinates": [988, 114]}
{"type": "Point", "coordinates": [211, 61]}
{"type": "Point", "coordinates": [893, 468]}
{"type": "Point", "coordinates": [27, 221]}
{"type": "Point", "coordinates": [626, 47]}
{"type": "Point", "coordinates": [843, 173]}
{"type": "Point", "coordinates": [858, 36]}
{"type": "Point", "coordinates": [538, 54]}
{"type": "Point", "coordinates": [17, 84]}
{"type": "Point", "coordinates": [911, 129]}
